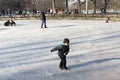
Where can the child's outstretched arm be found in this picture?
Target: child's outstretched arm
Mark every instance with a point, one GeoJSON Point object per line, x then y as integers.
{"type": "Point", "coordinates": [56, 48]}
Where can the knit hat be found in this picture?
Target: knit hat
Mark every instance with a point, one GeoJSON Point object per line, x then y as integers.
{"type": "Point", "coordinates": [66, 40]}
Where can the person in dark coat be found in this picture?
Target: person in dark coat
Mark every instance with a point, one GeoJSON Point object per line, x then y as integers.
{"type": "Point", "coordinates": [12, 23]}
{"type": "Point", "coordinates": [7, 23]}
{"type": "Point", "coordinates": [43, 18]}
{"type": "Point", "coordinates": [62, 53]}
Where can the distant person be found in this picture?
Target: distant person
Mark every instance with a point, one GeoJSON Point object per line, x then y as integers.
{"type": "Point", "coordinates": [7, 23]}
{"type": "Point", "coordinates": [12, 23]}
{"type": "Point", "coordinates": [107, 20]}
{"type": "Point", "coordinates": [43, 18]}
{"type": "Point", "coordinates": [63, 50]}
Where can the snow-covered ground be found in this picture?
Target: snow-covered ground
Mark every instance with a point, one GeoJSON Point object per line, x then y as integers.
{"type": "Point", "coordinates": [94, 50]}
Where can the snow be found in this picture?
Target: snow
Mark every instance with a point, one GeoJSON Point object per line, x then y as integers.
{"type": "Point", "coordinates": [94, 50]}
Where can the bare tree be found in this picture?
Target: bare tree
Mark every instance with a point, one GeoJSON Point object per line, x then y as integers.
{"type": "Point", "coordinates": [66, 2]}
{"type": "Point", "coordinates": [106, 2]}
{"type": "Point", "coordinates": [94, 8]}
{"type": "Point", "coordinates": [79, 6]}
{"type": "Point", "coordinates": [53, 5]}
{"type": "Point", "coordinates": [62, 4]}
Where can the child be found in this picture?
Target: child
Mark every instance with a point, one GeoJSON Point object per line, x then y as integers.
{"type": "Point", "coordinates": [13, 23]}
{"type": "Point", "coordinates": [7, 23]}
{"type": "Point", "coordinates": [62, 52]}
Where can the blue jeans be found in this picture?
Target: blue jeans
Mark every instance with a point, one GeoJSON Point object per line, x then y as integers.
{"type": "Point", "coordinates": [43, 23]}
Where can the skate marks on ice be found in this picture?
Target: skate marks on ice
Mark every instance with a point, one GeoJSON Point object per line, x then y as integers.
{"type": "Point", "coordinates": [106, 52]}
{"type": "Point", "coordinates": [25, 54]}
{"type": "Point", "coordinates": [99, 61]}
{"type": "Point", "coordinates": [89, 54]}
{"type": "Point", "coordinates": [18, 50]}
{"type": "Point", "coordinates": [65, 26]}
{"type": "Point", "coordinates": [1, 29]}
{"type": "Point", "coordinates": [97, 38]}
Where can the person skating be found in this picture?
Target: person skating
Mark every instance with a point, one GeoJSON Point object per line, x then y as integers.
{"type": "Point", "coordinates": [63, 50]}
{"type": "Point", "coordinates": [43, 18]}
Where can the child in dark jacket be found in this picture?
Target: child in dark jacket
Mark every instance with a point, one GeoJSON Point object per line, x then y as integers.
{"type": "Point", "coordinates": [62, 52]}
{"type": "Point", "coordinates": [7, 23]}
{"type": "Point", "coordinates": [13, 23]}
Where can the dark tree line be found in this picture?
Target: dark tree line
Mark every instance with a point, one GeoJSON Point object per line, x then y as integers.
{"type": "Point", "coordinates": [63, 4]}
{"type": "Point", "coordinates": [105, 4]}
{"type": "Point", "coordinates": [13, 4]}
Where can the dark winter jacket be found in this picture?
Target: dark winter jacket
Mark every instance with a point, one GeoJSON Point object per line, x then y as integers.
{"type": "Point", "coordinates": [62, 50]}
{"type": "Point", "coordinates": [12, 23]}
{"type": "Point", "coordinates": [7, 23]}
{"type": "Point", "coordinates": [42, 16]}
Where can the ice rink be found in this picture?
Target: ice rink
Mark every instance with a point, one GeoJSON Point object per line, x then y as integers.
{"type": "Point", "coordinates": [94, 50]}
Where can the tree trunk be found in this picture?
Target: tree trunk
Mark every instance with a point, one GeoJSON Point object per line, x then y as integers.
{"type": "Point", "coordinates": [86, 6]}
{"type": "Point", "coordinates": [79, 6]}
{"type": "Point", "coordinates": [53, 5]}
{"type": "Point", "coordinates": [66, 2]}
{"type": "Point", "coordinates": [106, 2]}
{"type": "Point", "coordinates": [94, 8]}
